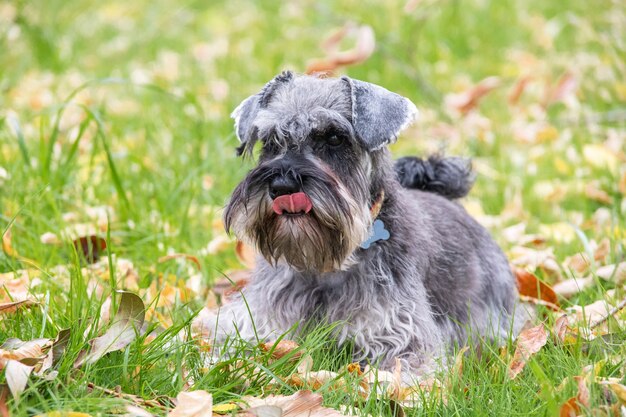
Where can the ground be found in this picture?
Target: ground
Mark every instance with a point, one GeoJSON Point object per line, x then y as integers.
{"type": "Point", "coordinates": [114, 127]}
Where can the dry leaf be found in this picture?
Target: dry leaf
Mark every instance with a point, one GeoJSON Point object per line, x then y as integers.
{"type": "Point", "coordinates": [590, 313]}
{"type": "Point", "coordinates": [126, 325]}
{"type": "Point", "coordinates": [532, 259]}
{"type": "Point", "coordinates": [594, 193]}
{"type": "Point", "coordinates": [529, 342]}
{"type": "Point", "coordinates": [572, 286]}
{"type": "Point", "coordinates": [518, 89]}
{"type": "Point", "coordinates": [615, 273]}
{"type": "Point", "coordinates": [579, 262]}
{"type": "Point", "coordinates": [186, 256]}
{"type": "Point", "coordinates": [529, 285]}
{"type": "Point", "coordinates": [300, 404]}
{"type": "Point", "coordinates": [193, 404]}
{"type": "Point", "coordinates": [468, 100]}
{"type": "Point", "coordinates": [560, 328]}
{"type": "Point", "coordinates": [17, 374]}
{"type": "Point", "coordinates": [619, 390]}
{"type": "Point", "coordinates": [566, 85]}
{"type": "Point", "coordinates": [282, 348]}
{"type": "Point", "coordinates": [8, 308]}
{"type": "Point", "coordinates": [245, 254]}
{"type": "Point", "coordinates": [233, 283]}
{"type": "Point", "coordinates": [31, 350]}
{"type": "Point", "coordinates": [365, 43]}
{"type": "Point", "coordinates": [91, 247]}
{"type": "Point", "coordinates": [49, 239]}
{"type": "Point", "coordinates": [7, 247]}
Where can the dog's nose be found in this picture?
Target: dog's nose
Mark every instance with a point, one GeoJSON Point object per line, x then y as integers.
{"type": "Point", "coordinates": [282, 185]}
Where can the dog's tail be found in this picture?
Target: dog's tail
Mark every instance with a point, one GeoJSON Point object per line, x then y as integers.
{"type": "Point", "coordinates": [449, 177]}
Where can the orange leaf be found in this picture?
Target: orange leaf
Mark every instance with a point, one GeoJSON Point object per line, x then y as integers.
{"type": "Point", "coordinates": [365, 43]}
{"type": "Point", "coordinates": [530, 286]}
{"type": "Point", "coordinates": [468, 100]}
{"type": "Point", "coordinates": [570, 408]}
{"type": "Point", "coordinates": [282, 348]}
{"type": "Point", "coordinates": [181, 255]}
{"type": "Point", "coordinates": [529, 342]}
{"type": "Point", "coordinates": [245, 254]}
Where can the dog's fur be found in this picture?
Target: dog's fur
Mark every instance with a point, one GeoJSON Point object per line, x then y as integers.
{"type": "Point", "coordinates": [436, 281]}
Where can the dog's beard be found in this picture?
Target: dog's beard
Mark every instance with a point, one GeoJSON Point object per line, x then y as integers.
{"type": "Point", "coordinates": [322, 240]}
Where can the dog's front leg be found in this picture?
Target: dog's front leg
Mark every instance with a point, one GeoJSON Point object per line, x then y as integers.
{"type": "Point", "coordinates": [242, 318]}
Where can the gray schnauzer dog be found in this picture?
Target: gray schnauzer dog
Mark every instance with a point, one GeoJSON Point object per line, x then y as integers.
{"type": "Point", "coordinates": [347, 236]}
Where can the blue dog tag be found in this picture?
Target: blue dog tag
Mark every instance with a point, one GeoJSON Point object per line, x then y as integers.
{"type": "Point", "coordinates": [378, 233]}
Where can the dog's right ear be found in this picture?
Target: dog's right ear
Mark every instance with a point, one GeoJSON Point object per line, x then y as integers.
{"type": "Point", "coordinates": [246, 112]}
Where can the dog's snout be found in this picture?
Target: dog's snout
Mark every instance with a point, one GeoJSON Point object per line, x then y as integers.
{"type": "Point", "coordinates": [283, 184]}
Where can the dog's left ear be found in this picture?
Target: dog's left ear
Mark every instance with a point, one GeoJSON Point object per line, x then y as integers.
{"type": "Point", "coordinates": [378, 115]}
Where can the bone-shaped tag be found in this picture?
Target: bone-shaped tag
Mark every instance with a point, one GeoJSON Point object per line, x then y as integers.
{"type": "Point", "coordinates": [378, 233]}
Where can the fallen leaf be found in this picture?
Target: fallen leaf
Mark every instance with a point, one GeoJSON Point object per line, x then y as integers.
{"type": "Point", "coordinates": [565, 86]}
{"type": "Point", "coordinates": [8, 308]}
{"type": "Point", "coordinates": [18, 350]}
{"type": "Point", "coordinates": [365, 44]}
{"type": "Point", "coordinates": [246, 254]}
{"type": "Point", "coordinates": [518, 89]}
{"type": "Point", "coordinates": [619, 390]}
{"type": "Point", "coordinates": [7, 247]}
{"type": "Point", "coordinates": [572, 286]}
{"type": "Point", "coordinates": [181, 256]}
{"type": "Point", "coordinates": [529, 285]}
{"type": "Point", "coordinates": [579, 262]}
{"type": "Point", "coordinates": [225, 408]}
{"type": "Point", "coordinates": [126, 325]}
{"type": "Point", "coordinates": [233, 283]}
{"type": "Point", "coordinates": [193, 404]}
{"type": "Point", "coordinates": [590, 313]}
{"type": "Point", "coordinates": [615, 273]}
{"type": "Point", "coordinates": [49, 238]}
{"type": "Point", "coordinates": [17, 374]}
{"type": "Point", "coordinates": [136, 411]}
{"type": "Point", "coordinates": [91, 247]}
{"type": "Point", "coordinates": [469, 99]}
{"type": "Point", "coordinates": [600, 157]}
{"type": "Point", "coordinates": [529, 342]}
{"type": "Point", "coordinates": [301, 404]}
{"type": "Point", "coordinates": [532, 259]}
{"type": "Point", "coordinates": [594, 193]}
{"type": "Point", "coordinates": [282, 348]}
{"type": "Point", "coordinates": [560, 328]}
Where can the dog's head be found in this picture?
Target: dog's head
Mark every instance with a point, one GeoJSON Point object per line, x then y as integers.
{"type": "Point", "coordinates": [308, 202]}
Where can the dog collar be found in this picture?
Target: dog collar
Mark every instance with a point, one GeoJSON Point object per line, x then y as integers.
{"type": "Point", "coordinates": [378, 231]}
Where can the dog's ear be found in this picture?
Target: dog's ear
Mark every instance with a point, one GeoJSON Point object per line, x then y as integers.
{"type": "Point", "coordinates": [378, 115]}
{"type": "Point", "coordinates": [248, 109]}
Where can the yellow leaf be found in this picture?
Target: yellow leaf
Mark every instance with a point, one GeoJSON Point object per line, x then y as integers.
{"type": "Point", "coordinates": [225, 408]}
{"type": "Point", "coordinates": [600, 157]}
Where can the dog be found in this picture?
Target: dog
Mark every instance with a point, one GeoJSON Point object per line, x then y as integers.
{"type": "Point", "coordinates": [345, 235]}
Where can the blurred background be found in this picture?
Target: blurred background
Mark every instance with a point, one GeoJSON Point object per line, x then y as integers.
{"type": "Point", "coordinates": [118, 112]}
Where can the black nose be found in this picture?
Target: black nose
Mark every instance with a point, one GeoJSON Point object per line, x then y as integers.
{"type": "Point", "coordinates": [283, 184]}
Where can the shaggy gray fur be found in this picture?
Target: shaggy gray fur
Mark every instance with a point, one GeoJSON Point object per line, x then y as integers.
{"type": "Point", "coordinates": [437, 280]}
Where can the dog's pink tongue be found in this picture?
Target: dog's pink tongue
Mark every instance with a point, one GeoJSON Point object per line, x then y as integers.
{"type": "Point", "coordinates": [292, 203]}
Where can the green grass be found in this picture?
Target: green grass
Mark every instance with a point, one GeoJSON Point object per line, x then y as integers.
{"type": "Point", "coordinates": [126, 104]}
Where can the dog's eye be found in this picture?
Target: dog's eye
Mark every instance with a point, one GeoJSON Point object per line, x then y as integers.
{"type": "Point", "coordinates": [334, 140]}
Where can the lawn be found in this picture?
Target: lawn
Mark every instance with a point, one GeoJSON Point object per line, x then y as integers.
{"type": "Point", "coordinates": [115, 131]}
